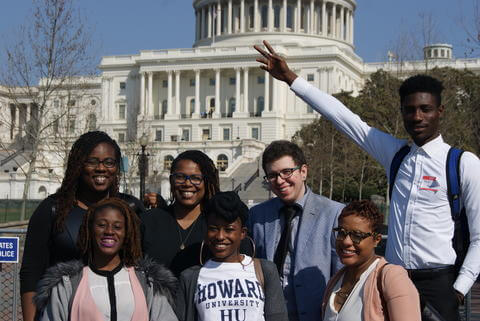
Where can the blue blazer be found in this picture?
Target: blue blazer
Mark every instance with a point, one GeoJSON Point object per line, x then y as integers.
{"type": "Point", "coordinates": [315, 257]}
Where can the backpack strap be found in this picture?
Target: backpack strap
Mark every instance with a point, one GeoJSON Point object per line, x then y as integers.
{"type": "Point", "coordinates": [453, 181]}
{"type": "Point", "coordinates": [395, 166]}
{"type": "Point", "coordinates": [257, 265]}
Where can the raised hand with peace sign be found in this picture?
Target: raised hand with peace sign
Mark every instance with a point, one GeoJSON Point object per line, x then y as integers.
{"type": "Point", "coordinates": [275, 64]}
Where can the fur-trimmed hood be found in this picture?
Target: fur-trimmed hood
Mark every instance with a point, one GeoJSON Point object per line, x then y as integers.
{"type": "Point", "coordinates": [157, 276]}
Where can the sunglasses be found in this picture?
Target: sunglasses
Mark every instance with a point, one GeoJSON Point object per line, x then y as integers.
{"type": "Point", "coordinates": [356, 236]}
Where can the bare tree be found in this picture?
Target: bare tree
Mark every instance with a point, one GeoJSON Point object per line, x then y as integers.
{"type": "Point", "coordinates": [49, 53]}
{"type": "Point", "coordinates": [471, 25]}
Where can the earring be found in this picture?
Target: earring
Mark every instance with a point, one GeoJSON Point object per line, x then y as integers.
{"type": "Point", "coordinates": [253, 255]}
{"type": "Point", "coordinates": [201, 252]}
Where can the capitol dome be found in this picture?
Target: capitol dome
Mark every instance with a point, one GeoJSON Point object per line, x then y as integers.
{"type": "Point", "coordinates": [305, 22]}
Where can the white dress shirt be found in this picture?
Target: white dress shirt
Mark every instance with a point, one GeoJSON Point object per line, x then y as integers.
{"type": "Point", "coordinates": [420, 227]}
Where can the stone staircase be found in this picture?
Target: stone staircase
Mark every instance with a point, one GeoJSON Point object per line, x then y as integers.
{"type": "Point", "coordinates": [246, 176]}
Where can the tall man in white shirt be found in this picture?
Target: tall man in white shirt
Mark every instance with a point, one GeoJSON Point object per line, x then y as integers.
{"type": "Point", "coordinates": [420, 228]}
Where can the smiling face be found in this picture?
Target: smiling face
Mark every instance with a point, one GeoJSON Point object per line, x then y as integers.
{"type": "Point", "coordinates": [289, 189]}
{"type": "Point", "coordinates": [187, 194]}
{"type": "Point", "coordinates": [421, 117]}
{"type": "Point", "coordinates": [97, 177]}
{"type": "Point", "coordinates": [223, 238]}
{"type": "Point", "coordinates": [352, 254]}
{"type": "Point", "coordinates": [109, 235]}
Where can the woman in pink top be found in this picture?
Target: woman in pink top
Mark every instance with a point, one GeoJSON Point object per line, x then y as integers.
{"type": "Point", "coordinates": [367, 288]}
{"type": "Point", "coordinates": [112, 282]}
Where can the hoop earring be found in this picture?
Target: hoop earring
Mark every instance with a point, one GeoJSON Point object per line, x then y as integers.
{"type": "Point", "coordinates": [253, 255]}
{"type": "Point", "coordinates": [201, 253]}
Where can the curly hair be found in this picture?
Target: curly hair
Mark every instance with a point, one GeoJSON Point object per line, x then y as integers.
{"type": "Point", "coordinates": [228, 206]}
{"type": "Point", "coordinates": [366, 209]}
{"type": "Point", "coordinates": [81, 149]}
{"type": "Point", "coordinates": [131, 250]}
{"type": "Point", "coordinates": [421, 83]}
{"type": "Point", "coordinates": [279, 148]}
{"type": "Point", "coordinates": [207, 167]}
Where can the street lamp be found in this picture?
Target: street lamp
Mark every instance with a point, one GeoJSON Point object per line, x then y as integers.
{"type": "Point", "coordinates": [142, 164]}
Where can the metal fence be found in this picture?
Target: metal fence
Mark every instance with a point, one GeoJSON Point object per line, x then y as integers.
{"type": "Point", "coordinates": [10, 308]}
{"type": "Point", "coordinates": [10, 209]}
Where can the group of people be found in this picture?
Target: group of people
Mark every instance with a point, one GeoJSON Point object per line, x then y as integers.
{"type": "Point", "coordinates": [93, 253]}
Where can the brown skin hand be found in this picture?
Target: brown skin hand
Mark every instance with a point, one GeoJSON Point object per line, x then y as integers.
{"type": "Point", "coordinates": [275, 64]}
{"type": "Point", "coordinates": [28, 308]}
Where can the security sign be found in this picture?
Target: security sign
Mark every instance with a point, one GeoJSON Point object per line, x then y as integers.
{"type": "Point", "coordinates": [8, 249]}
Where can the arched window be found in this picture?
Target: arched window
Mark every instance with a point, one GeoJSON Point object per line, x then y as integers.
{"type": "Point", "coordinates": [167, 162]}
{"type": "Point", "coordinates": [260, 106]}
{"type": "Point", "coordinates": [192, 107]}
{"type": "Point", "coordinates": [42, 192]}
{"type": "Point", "coordinates": [212, 103]}
{"type": "Point", "coordinates": [164, 107]}
{"type": "Point", "coordinates": [264, 15]}
{"type": "Point", "coordinates": [251, 17]}
{"type": "Point", "coordinates": [222, 162]}
{"type": "Point", "coordinates": [276, 17]}
{"type": "Point", "coordinates": [92, 122]}
{"type": "Point", "coordinates": [289, 17]}
{"type": "Point", "coordinates": [231, 106]}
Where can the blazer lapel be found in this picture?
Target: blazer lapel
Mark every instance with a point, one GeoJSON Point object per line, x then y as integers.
{"type": "Point", "coordinates": [307, 226]}
{"type": "Point", "coordinates": [272, 228]}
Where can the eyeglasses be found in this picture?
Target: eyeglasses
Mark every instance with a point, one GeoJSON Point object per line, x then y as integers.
{"type": "Point", "coordinates": [180, 178]}
{"type": "Point", "coordinates": [107, 162]}
{"type": "Point", "coordinates": [284, 173]}
{"type": "Point", "coordinates": [356, 236]}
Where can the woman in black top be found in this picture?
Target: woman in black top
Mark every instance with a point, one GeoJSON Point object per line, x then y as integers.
{"type": "Point", "coordinates": [173, 237]}
{"type": "Point", "coordinates": [92, 174]}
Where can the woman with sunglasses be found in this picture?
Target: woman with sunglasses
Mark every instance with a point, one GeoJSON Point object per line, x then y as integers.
{"type": "Point", "coordinates": [230, 285]}
{"type": "Point", "coordinates": [92, 174]}
{"type": "Point", "coordinates": [173, 237]}
{"type": "Point", "coordinates": [112, 281]}
{"type": "Point", "coordinates": [367, 288]}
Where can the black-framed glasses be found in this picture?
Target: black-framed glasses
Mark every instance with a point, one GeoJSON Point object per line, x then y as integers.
{"type": "Point", "coordinates": [180, 178]}
{"type": "Point", "coordinates": [356, 236]}
{"type": "Point", "coordinates": [107, 162]}
{"type": "Point", "coordinates": [284, 173]}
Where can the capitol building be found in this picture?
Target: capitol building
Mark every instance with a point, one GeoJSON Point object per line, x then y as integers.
{"type": "Point", "coordinates": [213, 96]}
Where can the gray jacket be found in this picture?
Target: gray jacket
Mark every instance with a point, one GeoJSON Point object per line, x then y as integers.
{"type": "Point", "coordinates": [274, 308]}
{"type": "Point", "coordinates": [57, 288]}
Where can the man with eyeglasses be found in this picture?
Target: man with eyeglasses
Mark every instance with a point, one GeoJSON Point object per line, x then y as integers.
{"type": "Point", "coordinates": [294, 230]}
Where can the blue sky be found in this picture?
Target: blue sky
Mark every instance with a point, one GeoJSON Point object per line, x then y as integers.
{"type": "Point", "coordinates": [127, 26]}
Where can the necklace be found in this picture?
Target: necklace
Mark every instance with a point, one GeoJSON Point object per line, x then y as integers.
{"type": "Point", "coordinates": [183, 241]}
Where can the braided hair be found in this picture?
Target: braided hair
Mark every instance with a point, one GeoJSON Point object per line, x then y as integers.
{"type": "Point", "coordinates": [131, 250]}
{"type": "Point", "coordinates": [81, 149]}
{"type": "Point", "coordinates": [207, 167]}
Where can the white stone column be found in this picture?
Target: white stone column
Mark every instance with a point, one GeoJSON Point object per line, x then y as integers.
{"type": "Point", "coordinates": [229, 27]}
{"type": "Point", "coordinates": [347, 25]}
{"type": "Point", "coordinates": [242, 15]}
{"type": "Point", "coordinates": [177, 90]}
{"type": "Point", "coordinates": [142, 95]}
{"type": "Point", "coordinates": [270, 15]}
{"type": "Point", "coordinates": [150, 94]}
{"type": "Point", "coordinates": [312, 16]}
{"type": "Point", "coordinates": [209, 22]}
{"type": "Point", "coordinates": [169, 94]}
{"type": "Point", "coordinates": [284, 11]}
{"type": "Point", "coordinates": [298, 16]}
{"type": "Point", "coordinates": [219, 18]}
{"type": "Point", "coordinates": [266, 95]}
{"type": "Point", "coordinates": [196, 113]}
{"type": "Point", "coordinates": [217, 111]}
{"type": "Point", "coordinates": [324, 18]}
{"type": "Point", "coordinates": [105, 99]}
{"type": "Point", "coordinates": [245, 90]}
{"type": "Point", "coordinates": [334, 20]}
{"type": "Point", "coordinates": [237, 89]}
{"type": "Point", "coordinates": [342, 21]}
{"type": "Point", "coordinates": [351, 27]}
{"type": "Point", "coordinates": [255, 16]}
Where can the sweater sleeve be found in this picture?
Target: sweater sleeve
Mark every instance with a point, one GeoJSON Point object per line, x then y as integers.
{"type": "Point", "coordinates": [401, 296]}
{"type": "Point", "coordinates": [275, 308]}
{"type": "Point", "coordinates": [161, 310]}
{"type": "Point", "coordinates": [58, 304]}
{"type": "Point", "coordinates": [36, 254]}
